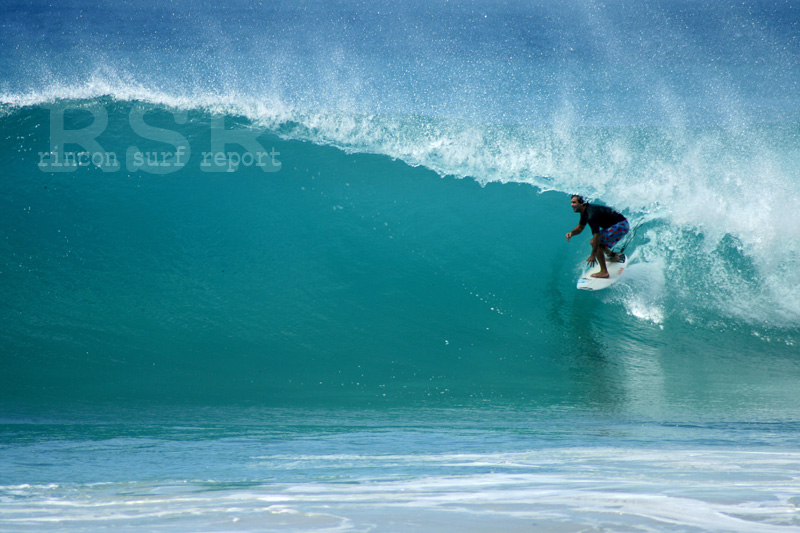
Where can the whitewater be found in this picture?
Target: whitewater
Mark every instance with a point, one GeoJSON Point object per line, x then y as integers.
{"type": "Point", "coordinates": [301, 266]}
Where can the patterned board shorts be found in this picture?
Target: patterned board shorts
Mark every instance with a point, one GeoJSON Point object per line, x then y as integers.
{"type": "Point", "coordinates": [611, 236]}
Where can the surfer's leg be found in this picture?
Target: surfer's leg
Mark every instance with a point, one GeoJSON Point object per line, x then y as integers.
{"type": "Point", "coordinates": [601, 259]}
{"type": "Point", "coordinates": [611, 236]}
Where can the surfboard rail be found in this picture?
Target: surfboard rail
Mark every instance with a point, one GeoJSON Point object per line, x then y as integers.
{"type": "Point", "coordinates": [587, 283]}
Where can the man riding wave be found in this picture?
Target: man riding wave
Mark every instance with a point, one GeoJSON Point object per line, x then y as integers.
{"type": "Point", "coordinates": [608, 227]}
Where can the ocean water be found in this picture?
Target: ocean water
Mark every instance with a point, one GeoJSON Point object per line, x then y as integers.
{"type": "Point", "coordinates": [300, 266]}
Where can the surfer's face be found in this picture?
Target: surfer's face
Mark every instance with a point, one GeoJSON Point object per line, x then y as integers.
{"type": "Point", "coordinates": [576, 206]}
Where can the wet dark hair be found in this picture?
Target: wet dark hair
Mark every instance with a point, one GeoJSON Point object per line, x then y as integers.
{"type": "Point", "coordinates": [580, 198]}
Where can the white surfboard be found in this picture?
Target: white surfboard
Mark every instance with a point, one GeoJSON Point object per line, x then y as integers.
{"type": "Point", "coordinates": [587, 283]}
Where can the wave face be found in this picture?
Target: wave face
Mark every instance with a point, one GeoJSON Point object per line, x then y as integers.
{"type": "Point", "coordinates": [385, 220]}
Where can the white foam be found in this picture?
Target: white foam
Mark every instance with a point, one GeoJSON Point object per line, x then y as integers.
{"type": "Point", "coordinates": [569, 489]}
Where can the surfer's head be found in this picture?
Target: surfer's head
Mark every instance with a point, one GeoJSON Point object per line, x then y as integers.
{"type": "Point", "coordinates": [577, 202]}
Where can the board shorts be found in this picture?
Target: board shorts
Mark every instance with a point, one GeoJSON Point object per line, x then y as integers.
{"type": "Point", "coordinates": [612, 235]}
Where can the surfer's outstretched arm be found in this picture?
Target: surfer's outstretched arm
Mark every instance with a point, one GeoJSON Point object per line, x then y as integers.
{"type": "Point", "coordinates": [576, 231]}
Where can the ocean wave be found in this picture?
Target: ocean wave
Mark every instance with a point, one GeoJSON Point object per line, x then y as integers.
{"type": "Point", "coordinates": [723, 196]}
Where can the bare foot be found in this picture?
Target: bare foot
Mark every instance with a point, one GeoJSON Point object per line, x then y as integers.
{"type": "Point", "coordinates": [603, 275]}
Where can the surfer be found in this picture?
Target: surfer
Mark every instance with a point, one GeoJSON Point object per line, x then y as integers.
{"type": "Point", "coordinates": [608, 227]}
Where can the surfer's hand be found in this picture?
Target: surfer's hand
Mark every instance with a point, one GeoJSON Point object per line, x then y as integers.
{"type": "Point", "coordinates": [591, 260]}
{"type": "Point", "coordinates": [569, 235]}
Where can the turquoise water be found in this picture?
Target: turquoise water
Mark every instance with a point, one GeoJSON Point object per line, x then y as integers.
{"type": "Point", "coordinates": [302, 267]}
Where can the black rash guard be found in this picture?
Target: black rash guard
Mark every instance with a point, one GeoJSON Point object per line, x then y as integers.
{"type": "Point", "coordinates": [599, 217]}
